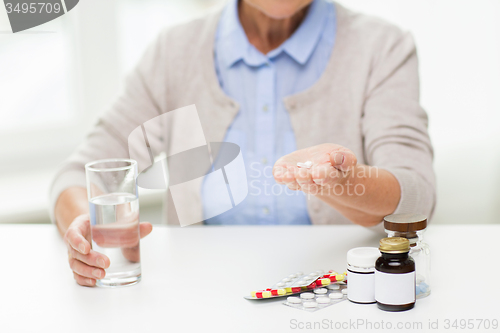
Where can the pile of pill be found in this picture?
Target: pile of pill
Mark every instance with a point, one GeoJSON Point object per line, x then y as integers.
{"type": "Point", "coordinates": [421, 288]}
{"type": "Point", "coordinates": [306, 165]}
{"type": "Point", "coordinates": [296, 283]}
{"type": "Point", "coordinates": [320, 298]}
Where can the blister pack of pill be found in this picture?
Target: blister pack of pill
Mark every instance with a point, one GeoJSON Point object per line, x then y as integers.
{"type": "Point", "coordinates": [291, 284]}
{"type": "Point", "coordinates": [319, 298]}
{"type": "Point", "coordinates": [296, 283]}
{"type": "Point", "coordinates": [296, 280]}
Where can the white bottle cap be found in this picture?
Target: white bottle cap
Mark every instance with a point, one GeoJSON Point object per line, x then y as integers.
{"type": "Point", "coordinates": [363, 257]}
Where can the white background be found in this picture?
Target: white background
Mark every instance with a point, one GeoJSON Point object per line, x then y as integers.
{"type": "Point", "coordinates": [55, 80]}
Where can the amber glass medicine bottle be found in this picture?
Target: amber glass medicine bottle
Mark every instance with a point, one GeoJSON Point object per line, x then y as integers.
{"type": "Point", "coordinates": [395, 275]}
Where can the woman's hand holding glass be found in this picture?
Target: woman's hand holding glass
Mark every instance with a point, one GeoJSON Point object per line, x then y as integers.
{"type": "Point", "coordinates": [89, 265]}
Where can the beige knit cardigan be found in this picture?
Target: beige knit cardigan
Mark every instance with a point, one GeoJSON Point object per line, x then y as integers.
{"type": "Point", "coordinates": [367, 100]}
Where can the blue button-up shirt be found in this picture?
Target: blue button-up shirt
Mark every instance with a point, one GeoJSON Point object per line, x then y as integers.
{"type": "Point", "coordinates": [262, 128]}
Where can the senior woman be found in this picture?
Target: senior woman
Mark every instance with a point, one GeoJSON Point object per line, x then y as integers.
{"type": "Point", "coordinates": [289, 81]}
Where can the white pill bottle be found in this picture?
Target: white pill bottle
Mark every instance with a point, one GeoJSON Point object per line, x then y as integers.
{"type": "Point", "coordinates": [361, 274]}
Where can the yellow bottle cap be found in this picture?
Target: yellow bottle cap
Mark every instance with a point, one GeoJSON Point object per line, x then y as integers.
{"type": "Point", "coordinates": [394, 245]}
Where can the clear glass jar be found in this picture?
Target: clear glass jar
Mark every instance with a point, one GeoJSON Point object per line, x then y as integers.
{"type": "Point", "coordinates": [412, 227]}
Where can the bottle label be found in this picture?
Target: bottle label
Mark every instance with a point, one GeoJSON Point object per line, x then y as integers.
{"type": "Point", "coordinates": [394, 289]}
{"type": "Point", "coordinates": [361, 287]}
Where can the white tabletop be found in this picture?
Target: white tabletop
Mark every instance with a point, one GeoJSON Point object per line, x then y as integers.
{"type": "Point", "coordinates": [194, 280]}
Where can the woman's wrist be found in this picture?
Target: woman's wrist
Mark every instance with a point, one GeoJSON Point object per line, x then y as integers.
{"type": "Point", "coordinates": [367, 189]}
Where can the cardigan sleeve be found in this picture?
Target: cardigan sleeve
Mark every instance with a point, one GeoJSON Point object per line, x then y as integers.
{"type": "Point", "coordinates": [109, 138]}
{"type": "Point", "coordinates": [394, 125]}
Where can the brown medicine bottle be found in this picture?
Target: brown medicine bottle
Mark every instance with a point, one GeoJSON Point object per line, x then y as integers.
{"type": "Point", "coordinates": [395, 275]}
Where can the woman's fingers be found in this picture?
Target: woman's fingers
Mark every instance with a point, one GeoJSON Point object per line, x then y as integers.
{"type": "Point", "coordinates": [77, 241]}
{"type": "Point", "coordinates": [329, 174]}
{"type": "Point", "coordinates": [145, 229]}
{"type": "Point", "coordinates": [75, 236]}
{"type": "Point", "coordinates": [94, 258]}
{"type": "Point", "coordinates": [132, 253]}
{"type": "Point", "coordinates": [79, 252]}
{"type": "Point", "coordinates": [278, 173]}
{"type": "Point", "coordinates": [87, 264]}
{"type": "Point", "coordinates": [116, 234]}
{"type": "Point", "coordinates": [120, 234]}
{"type": "Point", "coordinates": [325, 175]}
{"type": "Point", "coordinates": [331, 164]}
{"type": "Point", "coordinates": [85, 270]}
{"type": "Point", "coordinates": [311, 189]}
{"type": "Point", "coordinates": [303, 176]}
{"type": "Point", "coordinates": [84, 281]}
{"type": "Point", "coordinates": [343, 160]}
{"type": "Point", "coordinates": [294, 186]}
{"type": "Point", "coordinates": [295, 178]}
{"type": "Point", "coordinates": [284, 172]}
{"type": "Point", "coordinates": [288, 178]}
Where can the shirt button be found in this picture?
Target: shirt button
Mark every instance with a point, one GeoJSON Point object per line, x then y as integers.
{"type": "Point", "coordinates": [265, 210]}
{"type": "Point", "coordinates": [264, 160]}
{"type": "Point", "coordinates": [265, 108]}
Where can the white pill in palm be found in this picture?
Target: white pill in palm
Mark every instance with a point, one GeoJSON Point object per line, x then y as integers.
{"type": "Point", "coordinates": [307, 296]}
{"type": "Point", "coordinates": [336, 295]}
{"type": "Point", "coordinates": [323, 300]}
{"type": "Point", "coordinates": [320, 291]}
{"type": "Point", "coordinates": [310, 304]}
{"type": "Point", "coordinates": [333, 287]}
{"type": "Point", "coordinates": [294, 300]}
{"type": "Point", "coordinates": [306, 165]}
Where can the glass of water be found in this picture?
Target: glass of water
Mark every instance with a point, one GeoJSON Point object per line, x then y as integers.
{"type": "Point", "coordinates": [114, 218]}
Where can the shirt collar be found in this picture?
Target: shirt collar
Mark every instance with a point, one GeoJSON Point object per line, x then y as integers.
{"type": "Point", "coordinates": [302, 43]}
{"type": "Point", "coordinates": [233, 43]}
